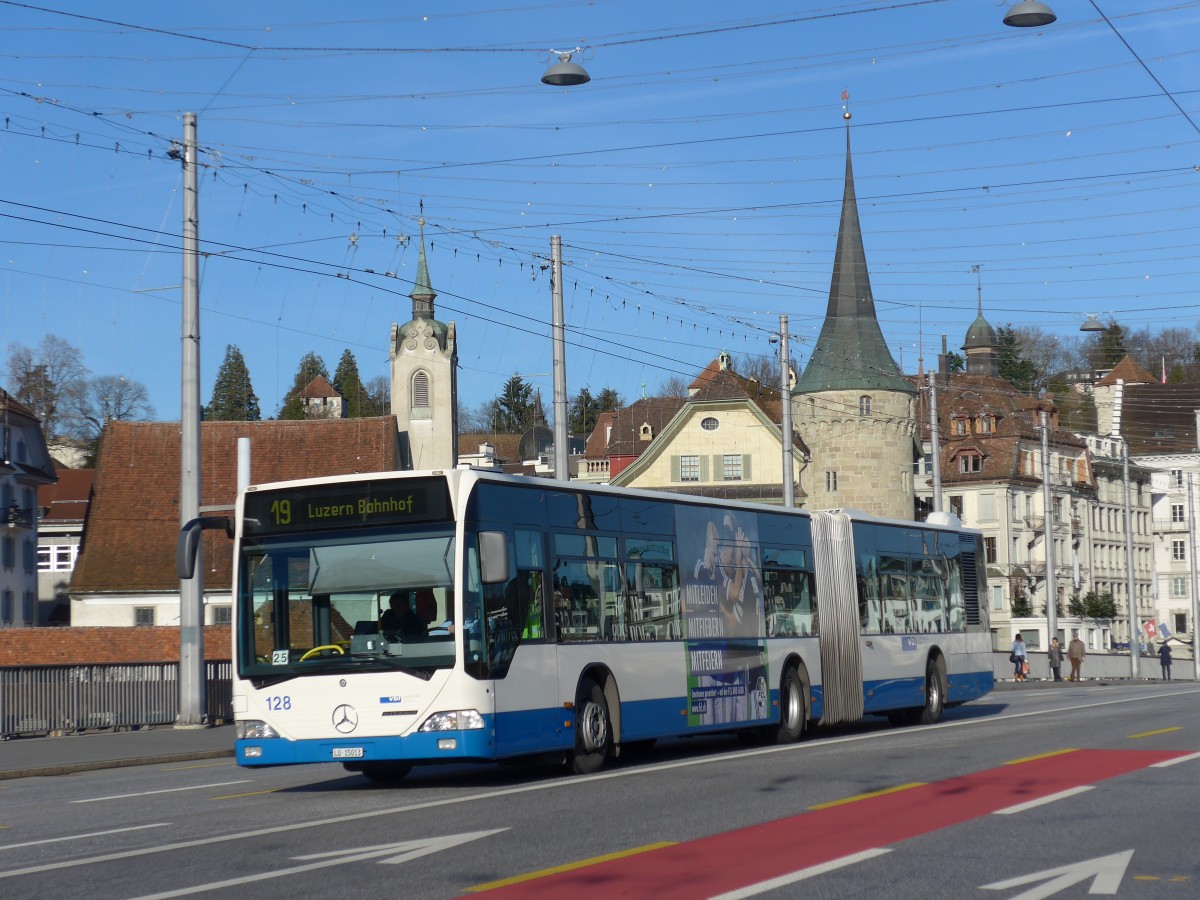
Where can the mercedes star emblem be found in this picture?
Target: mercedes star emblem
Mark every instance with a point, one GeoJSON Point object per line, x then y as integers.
{"type": "Point", "coordinates": [345, 719]}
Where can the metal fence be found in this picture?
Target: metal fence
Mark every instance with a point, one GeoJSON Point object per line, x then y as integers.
{"type": "Point", "coordinates": [44, 699]}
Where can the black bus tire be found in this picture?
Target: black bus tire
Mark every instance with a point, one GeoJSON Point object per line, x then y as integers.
{"type": "Point", "coordinates": [593, 729]}
{"type": "Point", "coordinates": [793, 710]}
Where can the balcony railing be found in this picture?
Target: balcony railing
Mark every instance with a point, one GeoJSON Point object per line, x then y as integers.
{"type": "Point", "coordinates": [16, 517]}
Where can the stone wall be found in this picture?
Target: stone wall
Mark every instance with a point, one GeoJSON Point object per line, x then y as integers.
{"type": "Point", "coordinates": [80, 646]}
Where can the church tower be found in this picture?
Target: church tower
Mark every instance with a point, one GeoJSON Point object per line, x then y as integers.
{"type": "Point", "coordinates": [424, 357]}
{"type": "Point", "coordinates": [852, 404]}
{"type": "Point", "coordinates": [982, 347]}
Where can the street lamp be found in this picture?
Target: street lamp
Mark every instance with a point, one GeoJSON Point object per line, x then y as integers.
{"type": "Point", "coordinates": [1029, 14]}
{"type": "Point", "coordinates": [565, 73]}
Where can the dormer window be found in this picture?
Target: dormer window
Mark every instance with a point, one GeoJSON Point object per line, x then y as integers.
{"type": "Point", "coordinates": [969, 463]}
{"type": "Point", "coordinates": [958, 427]}
{"type": "Point", "coordinates": [646, 433]}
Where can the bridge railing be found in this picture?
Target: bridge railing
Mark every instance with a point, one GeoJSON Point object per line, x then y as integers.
{"type": "Point", "coordinates": [46, 699]}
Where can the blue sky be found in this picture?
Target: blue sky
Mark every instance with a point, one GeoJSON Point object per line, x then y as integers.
{"type": "Point", "coordinates": [696, 181]}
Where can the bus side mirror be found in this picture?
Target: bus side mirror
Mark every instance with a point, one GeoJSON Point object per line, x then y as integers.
{"type": "Point", "coordinates": [188, 545]}
{"type": "Point", "coordinates": [493, 556]}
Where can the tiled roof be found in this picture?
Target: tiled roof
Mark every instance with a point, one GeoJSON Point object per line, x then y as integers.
{"type": "Point", "coordinates": [319, 387]}
{"type": "Point", "coordinates": [67, 500]}
{"type": "Point", "coordinates": [11, 405]}
{"type": "Point", "coordinates": [626, 434]}
{"type": "Point", "coordinates": [1160, 418]}
{"type": "Point", "coordinates": [1129, 371]}
{"type": "Point", "coordinates": [133, 522]}
{"type": "Point", "coordinates": [597, 442]}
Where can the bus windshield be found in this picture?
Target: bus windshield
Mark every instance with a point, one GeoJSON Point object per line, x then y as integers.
{"type": "Point", "coordinates": [336, 602]}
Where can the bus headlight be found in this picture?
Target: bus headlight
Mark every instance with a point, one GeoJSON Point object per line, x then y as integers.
{"type": "Point", "coordinates": [453, 720]}
{"type": "Point", "coordinates": [253, 730]}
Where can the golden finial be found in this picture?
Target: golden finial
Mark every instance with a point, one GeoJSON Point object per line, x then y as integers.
{"type": "Point", "coordinates": [845, 109]}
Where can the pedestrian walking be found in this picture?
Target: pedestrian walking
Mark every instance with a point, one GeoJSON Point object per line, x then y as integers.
{"type": "Point", "coordinates": [1017, 658]}
{"type": "Point", "coordinates": [1054, 656]}
{"type": "Point", "coordinates": [1164, 657]}
{"type": "Point", "coordinates": [1075, 653]}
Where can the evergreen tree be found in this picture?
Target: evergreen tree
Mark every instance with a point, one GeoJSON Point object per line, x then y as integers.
{"type": "Point", "coordinates": [356, 402]}
{"type": "Point", "coordinates": [514, 410]}
{"type": "Point", "coordinates": [1014, 367]}
{"type": "Point", "coordinates": [1107, 348]}
{"type": "Point", "coordinates": [582, 412]}
{"type": "Point", "coordinates": [233, 397]}
{"type": "Point", "coordinates": [293, 403]}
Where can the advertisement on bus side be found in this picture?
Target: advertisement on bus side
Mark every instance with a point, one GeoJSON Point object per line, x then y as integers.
{"type": "Point", "coordinates": [722, 616]}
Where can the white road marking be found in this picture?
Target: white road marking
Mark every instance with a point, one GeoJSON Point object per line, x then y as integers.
{"type": "Point", "coordinates": [397, 853]}
{"type": "Point", "coordinates": [1171, 762]}
{"type": "Point", "coordinates": [806, 747]}
{"type": "Point", "coordinates": [196, 787]}
{"type": "Point", "coordinates": [762, 887]}
{"type": "Point", "coordinates": [1106, 873]}
{"type": "Point", "coordinates": [76, 837]}
{"type": "Point", "coordinates": [1042, 801]}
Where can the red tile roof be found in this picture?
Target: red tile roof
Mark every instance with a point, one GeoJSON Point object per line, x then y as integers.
{"type": "Point", "coordinates": [129, 542]}
{"type": "Point", "coordinates": [1130, 372]}
{"type": "Point", "coordinates": [67, 501]}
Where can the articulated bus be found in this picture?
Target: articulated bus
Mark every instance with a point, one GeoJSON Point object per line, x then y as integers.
{"type": "Point", "coordinates": [391, 619]}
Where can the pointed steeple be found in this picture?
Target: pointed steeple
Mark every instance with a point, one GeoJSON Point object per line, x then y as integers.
{"type": "Point", "coordinates": [851, 353]}
{"type": "Point", "coordinates": [422, 293]}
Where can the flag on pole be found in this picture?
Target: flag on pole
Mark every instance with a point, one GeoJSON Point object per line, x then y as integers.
{"type": "Point", "coordinates": [1151, 628]}
{"type": "Point", "coordinates": [1163, 631]}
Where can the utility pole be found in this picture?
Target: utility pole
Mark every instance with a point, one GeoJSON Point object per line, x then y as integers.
{"type": "Point", "coordinates": [192, 685]}
{"type": "Point", "coordinates": [1048, 503]}
{"type": "Point", "coordinates": [1135, 637]}
{"type": "Point", "coordinates": [1192, 559]}
{"type": "Point", "coordinates": [935, 443]}
{"type": "Point", "coordinates": [559, 339]}
{"type": "Point", "coordinates": [785, 392]}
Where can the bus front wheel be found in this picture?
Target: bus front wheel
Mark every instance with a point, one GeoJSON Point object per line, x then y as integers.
{"type": "Point", "coordinates": [593, 729]}
{"type": "Point", "coordinates": [381, 772]}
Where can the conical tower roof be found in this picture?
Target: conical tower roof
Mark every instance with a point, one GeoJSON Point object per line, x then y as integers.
{"type": "Point", "coordinates": [423, 293]}
{"type": "Point", "coordinates": [851, 353]}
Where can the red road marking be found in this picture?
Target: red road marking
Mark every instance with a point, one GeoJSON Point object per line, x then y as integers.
{"type": "Point", "coordinates": [736, 859]}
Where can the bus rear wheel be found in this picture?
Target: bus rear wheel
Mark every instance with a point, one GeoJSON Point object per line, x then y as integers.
{"type": "Point", "coordinates": [593, 729]}
{"type": "Point", "coordinates": [793, 711]}
{"type": "Point", "coordinates": [935, 694]}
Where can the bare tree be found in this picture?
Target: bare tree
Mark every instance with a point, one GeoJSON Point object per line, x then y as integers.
{"type": "Point", "coordinates": [41, 377]}
{"type": "Point", "coordinates": [90, 405]}
{"type": "Point", "coordinates": [1048, 354]}
{"type": "Point", "coordinates": [675, 386]}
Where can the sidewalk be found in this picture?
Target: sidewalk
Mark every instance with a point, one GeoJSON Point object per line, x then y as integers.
{"type": "Point", "coordinates": [28, 757]}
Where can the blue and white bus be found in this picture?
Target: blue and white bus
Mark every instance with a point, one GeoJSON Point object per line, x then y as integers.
{"type": "Point", "coordinates": [391, 619]}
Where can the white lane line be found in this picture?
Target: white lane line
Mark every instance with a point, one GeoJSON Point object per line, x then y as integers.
{"type": "Point", "coordinates": [76, 837]}
{"type": "Point", "coordinates": [1042, 801]}
{"type": "Point", "coordinates": [752, 890]}
{"type": "Point", "coordinates": [195, 787]}
{"type": "Point", "coordinates": [1171, 762]}
{"type": "Point", "coordinates": [806, 747]}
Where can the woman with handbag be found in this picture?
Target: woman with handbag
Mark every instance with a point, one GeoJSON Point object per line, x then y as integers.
{"type": "Point", "coordinates": [1017, 658]}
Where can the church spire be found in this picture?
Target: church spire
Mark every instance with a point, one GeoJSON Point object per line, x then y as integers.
{"type": "Point", "coordinates": [422, 293]}
{"type": "Point", "coordinates": [981, 346]}
{"type": "Point", "coordinates": [851, 353]}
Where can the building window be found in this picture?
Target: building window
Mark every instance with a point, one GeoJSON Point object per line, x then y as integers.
{"type": "Point", "coordinates": [708, 423]}
{"type": "Point", "coordinates": [689, 468]}
{"type": "Point", "coordinates": [29, 557]}
{"type": "Point", "coordinates": [1179, 551]}
{"type": "Point", "coordinates": [987, 507]}
{"type": "Point", "coordinates": [985, 424]}
{"type": "Point", "coordinates": [997, 597]}
{"type": "Point", "coordinates": [1177, 478]}
{"type": "Point", "coordinates": [970, 462]}
{"type": "Point", "coordinates": [6, 607]}
{"type": "Point", "coordinates": [56, 557]}
{"type": "Point", "coordinates": [143, 615]}
{"type": "Point", "coordinates": [10, 553]}
{"type": "Point", "coordinates": [420, 391]}
{"type": "Point", "coordinates": [222, 615]}
{"type": "Point", "coordinates": [831, 482]}
{"type": "Point", "coordinates": [1179, 587]}
{"type": "Point", "coordinates": [864, 405]}
{"type": "Point", "coordinates": [731, 467]}
{"type": "Point", "coordinates": [956, 505]}
{"type": "Point", "coordinates": [989, 549]}
{"type": "Point", "coordinates": [1177, 513]}
{"type": "Point", "coordinates": [1180, 622]}
{"type": "Point", "coordinates": [30, 606]}
{"type": "Point", "coordinates": [958, 427]}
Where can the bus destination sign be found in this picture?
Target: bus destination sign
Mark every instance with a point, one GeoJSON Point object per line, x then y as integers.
{"type": "Point", "coordinates": [363, 504]}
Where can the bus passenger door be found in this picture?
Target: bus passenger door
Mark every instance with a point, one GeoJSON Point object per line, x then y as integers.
{"type": "Point", "coordinates": [529, 718]}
